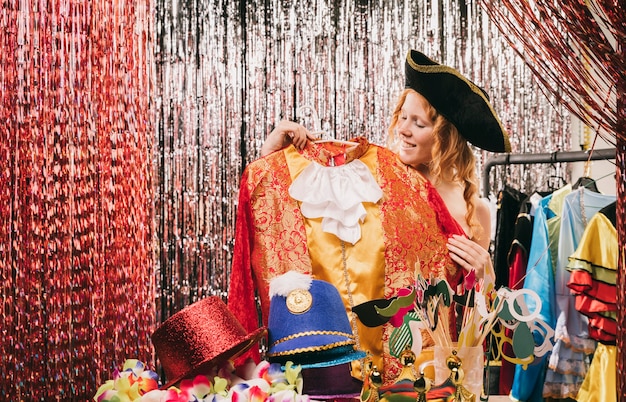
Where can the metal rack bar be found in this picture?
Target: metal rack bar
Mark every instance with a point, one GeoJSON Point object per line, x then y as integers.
{"type": "Point", "coordinates": [552, 157]}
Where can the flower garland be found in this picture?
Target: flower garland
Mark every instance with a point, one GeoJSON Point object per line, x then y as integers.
{"type": "Point", "coordinates": [266, 382]}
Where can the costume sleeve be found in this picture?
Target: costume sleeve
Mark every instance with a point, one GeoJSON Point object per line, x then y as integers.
{"type": "Point", "coordinates": [241, 292]}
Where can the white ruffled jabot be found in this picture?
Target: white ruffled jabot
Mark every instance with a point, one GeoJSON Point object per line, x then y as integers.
{"type": "Point", "coordinates": [336, 194]}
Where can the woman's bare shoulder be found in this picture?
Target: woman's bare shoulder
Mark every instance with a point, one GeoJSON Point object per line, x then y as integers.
{"type": "Point", "coordinates": [482, 212]}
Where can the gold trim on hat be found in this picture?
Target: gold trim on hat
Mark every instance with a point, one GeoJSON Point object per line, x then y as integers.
{"type": "Point", "coordinates": [311, 349]}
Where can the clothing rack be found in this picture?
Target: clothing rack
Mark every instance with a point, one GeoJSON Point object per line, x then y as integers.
{"type": "Point", "coordinates": [552, 157]}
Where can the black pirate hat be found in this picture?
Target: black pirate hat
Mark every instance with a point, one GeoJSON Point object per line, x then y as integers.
{"type": "Point", "coordinates": [458, 99]}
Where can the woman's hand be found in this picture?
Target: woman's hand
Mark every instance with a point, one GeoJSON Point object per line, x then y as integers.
{"type": "Point", "coordinates": [286, 132]}
{"type": "Point", "coordinates": [471, 256]}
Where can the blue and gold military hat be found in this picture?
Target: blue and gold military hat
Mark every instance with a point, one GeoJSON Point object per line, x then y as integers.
{"type": "Point", "coordinates": [308, 324]}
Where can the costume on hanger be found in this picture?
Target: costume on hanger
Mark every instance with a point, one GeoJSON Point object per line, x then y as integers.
{"type": "Point", "coordinates": [409, 224]}
{"type": "Point", "coordinates": [528, 383]}
{"type": "Point", "coordinates": [509, 204]}
{"type": "Point", "coordinates": [593, 278]}
{"type": "Point", "coordinates": [569, 360]}
{"type": "Point", "coordinates": [517, 260]}
{"type": "Point", "coordinates": [593, 268]}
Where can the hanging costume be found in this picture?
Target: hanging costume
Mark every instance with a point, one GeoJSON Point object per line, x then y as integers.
{"type": "Point", "coordinates": [594, 275]}
{"type": "Point", "coordinates": [509, 204]}
{"type": "Point", "coordinates": [367, 249]}
{"type": "Point", "coordinates": [593, 268]}
{"type": "Point", "coordinates": [569, 360]}
{"type": "Point", "coordinates": [517, 260]}
{"type": "Point", "coordinates": [528, 383]}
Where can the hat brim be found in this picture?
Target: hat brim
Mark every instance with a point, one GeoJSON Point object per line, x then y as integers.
{"type": "Point", "coordinates": [232, 352]}
{"type": "Point", "coordinates": [459, 100]}
{"type": "Point", "coordinates": [309, 344]}
{"type": "Point", "coordinates": [319, 359]}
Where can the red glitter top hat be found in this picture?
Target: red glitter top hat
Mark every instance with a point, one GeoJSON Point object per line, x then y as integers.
{"type": "Point", "coordinates": [200, 337]}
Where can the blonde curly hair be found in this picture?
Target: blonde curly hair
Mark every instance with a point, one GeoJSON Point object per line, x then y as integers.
{"type": "Point", "coordinates": [452, 159]}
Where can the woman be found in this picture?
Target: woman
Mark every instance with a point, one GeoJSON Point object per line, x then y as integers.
{"type": "Point", "coordinates": [435, 117]}
{"type": "Point", "coordinates": [425, 140]}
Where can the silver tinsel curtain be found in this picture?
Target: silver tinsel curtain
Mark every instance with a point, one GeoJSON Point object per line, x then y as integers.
{"type": "Point", "coordinates": [229, 71]}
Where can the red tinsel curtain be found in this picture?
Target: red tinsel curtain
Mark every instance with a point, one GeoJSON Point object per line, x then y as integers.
{"type": "Point", "coordinates": [575, 49]}
{"type": "Point", "coordinates": [76, 264]}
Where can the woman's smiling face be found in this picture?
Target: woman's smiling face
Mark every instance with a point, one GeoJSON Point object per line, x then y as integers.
{"type": "Point", "coordinates": [415, 131]}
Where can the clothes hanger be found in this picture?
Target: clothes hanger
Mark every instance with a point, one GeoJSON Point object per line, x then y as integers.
{"type": "Point", "coordinates": [301, 112]}
{"type": "Point", "coordinates": [585, 181]}
{"type": "Point", "coordinates": [556, 180]}
{"type": "Point", "coordinates": [333, 140]}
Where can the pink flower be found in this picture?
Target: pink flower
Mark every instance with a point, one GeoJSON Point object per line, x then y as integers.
{"type": "Point", "coordinates": [256, 394]}
{"type": "Point", "coordinates": [196, 389]}
{"type": "Point", "coordinates": [129, 384]}
{"type": "Point", "coordinates": [263, 371]}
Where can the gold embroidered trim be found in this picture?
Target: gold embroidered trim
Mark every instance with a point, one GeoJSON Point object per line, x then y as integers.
{"type": "Point", "coordinates": [309, 333]}
{"type": "Point", "coordinates": [311, 349]}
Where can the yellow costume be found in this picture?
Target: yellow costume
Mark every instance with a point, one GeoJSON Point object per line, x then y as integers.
{"type": "Point", "coordinates": [409, 223]}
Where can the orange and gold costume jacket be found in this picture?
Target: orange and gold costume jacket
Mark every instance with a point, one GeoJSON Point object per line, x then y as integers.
{"type": "Point", "coordinates": [409, 224]}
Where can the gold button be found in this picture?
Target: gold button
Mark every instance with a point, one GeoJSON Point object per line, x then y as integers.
{"type": "Point", "coordinates": [299, 301]}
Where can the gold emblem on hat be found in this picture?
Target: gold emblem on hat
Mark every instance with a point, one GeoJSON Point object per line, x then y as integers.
{"type": "Point", "coordinates": [299, 301]}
